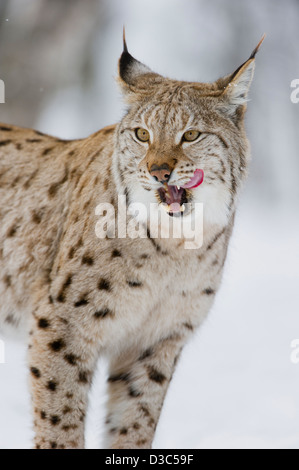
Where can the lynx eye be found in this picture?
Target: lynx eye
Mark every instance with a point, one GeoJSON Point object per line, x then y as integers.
{"type": "Point", "coordinates": [142, 134]}
{"type": "Point", "coordinates": [191, 135]}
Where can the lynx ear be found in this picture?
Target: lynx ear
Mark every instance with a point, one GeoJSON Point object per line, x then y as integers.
{"type": "Point", "coordinates": [133, 75]}
{"type": "Point", "coordinates": [236, 86]}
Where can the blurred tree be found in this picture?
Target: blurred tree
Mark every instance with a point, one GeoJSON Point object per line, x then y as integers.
{"type": "Point", "coordinates": [46, 45]}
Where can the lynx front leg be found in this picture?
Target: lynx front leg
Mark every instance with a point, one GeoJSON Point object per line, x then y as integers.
{"type": "Point", "coordinates": [61, 363]}
{"type": "Point", "coordinates": [137, 387]}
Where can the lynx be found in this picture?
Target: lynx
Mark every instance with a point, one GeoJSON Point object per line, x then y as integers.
{"type": "Point", "coordinates": [134, 300]}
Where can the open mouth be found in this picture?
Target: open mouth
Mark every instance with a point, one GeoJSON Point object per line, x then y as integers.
{"type": "Point", "coordinates": [174, 198]}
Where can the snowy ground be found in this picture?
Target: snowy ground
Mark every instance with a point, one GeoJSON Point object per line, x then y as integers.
{"type": "Point", "coordinates": [235, 386]}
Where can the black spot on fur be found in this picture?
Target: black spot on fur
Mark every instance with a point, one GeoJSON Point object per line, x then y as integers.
{"type": "Point", "coordinates": [123, 431]}
{"type": "Point", "coordinates": [53, 445]}
{"type": "Point", "coordinates": [55, 420]}
{"type": "Point", "coordinates": [155, 245]}
{"type": "Point", "coordinates": [66, 410]}
{"type": "Point", "coordinates": [84, 377]}
{"type": "Point", "coordinates": [47, 150]}
{"type": "Point", "coordinates": [37, 217]}
{"type": "Point", "coordinates": [102, 313]}
{"type": "Point", "coordinates": [151, 422]}
{"type": "Point", "coordinates": [134, 393]}
{"type": "Point", "coordinates": [57, 345]}
{"type": "Point", "coordinates": [55, 186]}
{"type": "Point", "coordinates": [66, 284]}
{"type": "Point", "coordinates": [147, 353]}
{"type": "Point", "coordinates": [5, 142]}
{"type": "Point", "coordinates": [188, 326]}
{"type": "Point", "coordinates": [33, 141]}
{"type": "Point", "coordinates": [11, 320]}
{"type": "Point", "coordinates": [7, 280]}
{"type": "Point", "coordinates": [104, 284]}
{"type": "Point", "coordinates": [155, 375]}
{"type": "Point", "coordinates": [52, 385]}
{"type": "Point", "coordinates": [125, 377]}
{"type": "Point", "coordinates": [12, 231]}
{"type": "Point", "coordinates": [216, 238]}
{"type": "Point", "coordinates": [141, 442]}
{"type": "Point", "coordinates": [81, 302]}
{"type": "Point", "coordinates": [106, 184]}
{"type": "Point", "coordinates": [43, 323]}
{"type": "Point", "coordinates": [5, 128]}
{"type": "Point", "coordinates": [116, 254]}
{"type": "Point", "coordinates": [208, 291]}
{"type": "Point", "coordinates": [35, 372]}
{"type": "Point", "coordinates": [144, 410]}
{"type": "Point", "coordinates": [29, 180]}
{"type": "Point", "coordinates": [134, 283]}
{"type": "Point", "coordinates": [67, 427]}
{"type": "Point", "coordinates": [87, 260]}
{"type": "Point", "coordinates": [15, 181]}
{"type": "Point", "coordinates": [71, 359]}
{"type": "Point", "coordinates": [43, 415]}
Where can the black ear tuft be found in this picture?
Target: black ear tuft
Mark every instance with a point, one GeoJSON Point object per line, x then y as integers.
{"type": "Point", "coordinates": [235, 87]}
{"type": "Point", "coordinates": [124, 40]}
{"type": "Point", "coordinates": [130, 69]}
{"type": "Point", "coordinates": [134, 76]}
{"type": "Point", "coordinates": [126, 62]}
{"type": "Point", "coordinates": [252, 56]}
{"type": "Point", "coordinates": [254, 52]}
{"type": "Point", "coordinates": [125, 59]}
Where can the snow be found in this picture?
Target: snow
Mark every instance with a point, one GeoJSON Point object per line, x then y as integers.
{"type": "Point", "coordinates": [235, 385]}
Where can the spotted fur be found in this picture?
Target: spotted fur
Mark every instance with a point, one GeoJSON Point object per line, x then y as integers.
{"type": "Point", "coordinates": [135, 300]}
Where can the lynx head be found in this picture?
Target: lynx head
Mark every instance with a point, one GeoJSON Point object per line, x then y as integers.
{"type": "Point", "coordinates": [183, 142]}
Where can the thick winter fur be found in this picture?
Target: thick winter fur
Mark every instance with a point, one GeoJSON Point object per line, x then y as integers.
{"type": "Point", "coordinates": [135, 300]}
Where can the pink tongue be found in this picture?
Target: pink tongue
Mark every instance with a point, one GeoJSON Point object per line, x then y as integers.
{"type": "Point", "coordinates": [195, 181]}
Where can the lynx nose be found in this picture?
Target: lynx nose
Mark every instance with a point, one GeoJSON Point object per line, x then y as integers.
{"type": "Point", "coordinates": [161, 173]}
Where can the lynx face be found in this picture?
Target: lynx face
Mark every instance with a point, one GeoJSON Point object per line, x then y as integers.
{"type": "Point", "coordinates": [181, 143]}
{"type": "Point", "coordinates": [204, 163]}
